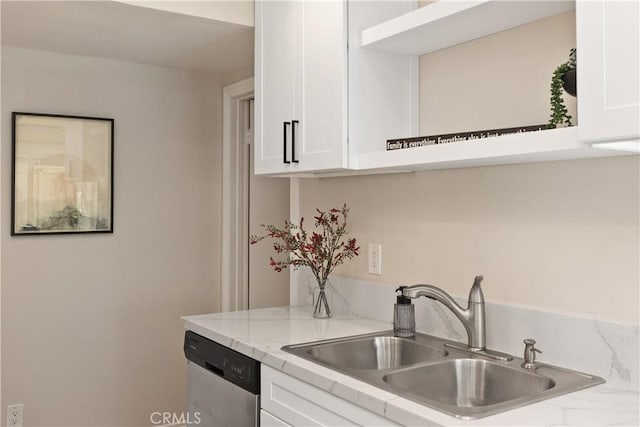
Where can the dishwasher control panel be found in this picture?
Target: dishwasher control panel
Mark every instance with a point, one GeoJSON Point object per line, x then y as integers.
{"type": "Point", "coordinates": [220, 360]}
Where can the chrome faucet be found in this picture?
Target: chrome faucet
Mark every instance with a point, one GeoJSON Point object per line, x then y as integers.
{"type": "Point", "coordinates": [471, 317]}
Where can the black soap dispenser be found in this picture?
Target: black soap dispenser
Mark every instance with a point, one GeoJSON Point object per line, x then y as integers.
{"type": "Point", "coordinates": [404, 316]}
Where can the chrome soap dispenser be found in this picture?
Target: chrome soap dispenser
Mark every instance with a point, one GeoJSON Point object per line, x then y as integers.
{"type": "Point", "coordinates": [404, 316]}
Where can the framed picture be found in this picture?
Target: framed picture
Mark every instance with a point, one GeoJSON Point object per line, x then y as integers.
{"type": "Point", "coordinates": [62, 174]}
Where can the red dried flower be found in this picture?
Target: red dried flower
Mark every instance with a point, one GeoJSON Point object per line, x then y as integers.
{"type": "Point", "coordinates": [321, 251]}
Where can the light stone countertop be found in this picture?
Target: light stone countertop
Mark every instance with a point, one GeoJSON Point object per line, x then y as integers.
{"type": "Point", "coordinates": [261, 333]}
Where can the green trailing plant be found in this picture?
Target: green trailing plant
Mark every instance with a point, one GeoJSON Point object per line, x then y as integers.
{"type": "Point", "coordinates": [559, 113]}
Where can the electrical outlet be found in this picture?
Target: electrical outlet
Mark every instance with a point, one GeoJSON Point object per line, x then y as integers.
{"type": "Point", "coordinates": [375, 258]}
{"type": "Point", "coordinates": [14, 415]}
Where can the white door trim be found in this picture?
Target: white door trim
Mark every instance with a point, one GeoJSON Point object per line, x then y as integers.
{"type": "Point", "coordinates": [233, 194]}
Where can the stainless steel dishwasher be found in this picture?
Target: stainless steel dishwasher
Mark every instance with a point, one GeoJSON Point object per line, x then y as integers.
{"type": "Point", "coordinates": [223, 388]}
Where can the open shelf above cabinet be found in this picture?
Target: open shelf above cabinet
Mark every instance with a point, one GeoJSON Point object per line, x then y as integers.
{"type": "Point", "coordinates": [449, 22]}
{"type": "Point", "coordinates": [546, 145]}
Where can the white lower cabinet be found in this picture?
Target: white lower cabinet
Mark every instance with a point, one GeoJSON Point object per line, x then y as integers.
{"type": "Point", "coordinates": [287, 401]}
{"type": "Point", "coordinates": [269, 420]}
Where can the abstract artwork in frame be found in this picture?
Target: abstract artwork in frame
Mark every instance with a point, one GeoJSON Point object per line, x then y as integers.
{"type": "Point", "coordinates": [62, 174]}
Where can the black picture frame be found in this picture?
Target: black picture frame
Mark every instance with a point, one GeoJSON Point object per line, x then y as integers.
{"type": "Point", "coordinates": [61, 174]}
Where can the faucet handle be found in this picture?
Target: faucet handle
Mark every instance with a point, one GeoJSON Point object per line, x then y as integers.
{"type": "Point", "coordinates": [530, 354]}
{"type": "Point", "coordinates": [475, 294]}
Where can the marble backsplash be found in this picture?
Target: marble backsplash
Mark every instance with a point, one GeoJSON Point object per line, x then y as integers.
{"type": "Point", "coordinates": [608, 349]}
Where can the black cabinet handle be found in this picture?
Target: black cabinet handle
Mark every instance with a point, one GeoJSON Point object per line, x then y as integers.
{"type": "Point", "coordinates": [293, 141]}
{"type": "Point", "coordinates": [284, 141]}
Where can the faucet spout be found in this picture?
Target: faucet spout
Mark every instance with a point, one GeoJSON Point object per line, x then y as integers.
{"type": "Point", "coordinates": [472, 317]}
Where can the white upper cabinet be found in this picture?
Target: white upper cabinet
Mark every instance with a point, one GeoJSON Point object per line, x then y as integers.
{"type": "Point", "coordinates": [336, 79]}
{"type": "Point", "coordinates": [274, 84]}
{"type": "Point", "coordinates": [319, 134]}
{"type": "Point", "coordinates": [317, 93]}
{"type": "Point", "coordinates": [607, 87]}
{"type": "Point", "coordinates": [383, 87]}
{"type": "Point", "coordinates": [301, 63]}
{"type": "Point", "coordinates": [608, 39]}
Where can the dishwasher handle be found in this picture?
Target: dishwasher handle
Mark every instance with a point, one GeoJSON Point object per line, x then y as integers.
{"type": "Point", "coordinates": [214, 369]}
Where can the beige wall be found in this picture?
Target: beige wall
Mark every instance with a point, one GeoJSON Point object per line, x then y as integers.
{"type": "Point", "coordinates": [90, 324]}
{"type": "Point", "coordinates": [268, 204]}
{"type": "Point", "coordinates": [498, 81]}
{"type": "Point", "coordinates": [560, 235]}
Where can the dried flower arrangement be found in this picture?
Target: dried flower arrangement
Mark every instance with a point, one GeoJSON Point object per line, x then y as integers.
{"type": "Point", "coordinates": [321, 250]}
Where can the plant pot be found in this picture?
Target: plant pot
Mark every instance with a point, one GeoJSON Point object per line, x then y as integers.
{"type": "Point", "coordinates": [569, 83]}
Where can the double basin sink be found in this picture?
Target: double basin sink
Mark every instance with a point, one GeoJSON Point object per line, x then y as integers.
{"type": "Point", "coordinates": [431, 371]}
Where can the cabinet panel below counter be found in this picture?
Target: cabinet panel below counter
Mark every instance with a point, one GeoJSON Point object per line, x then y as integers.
{"type": "Point", "coordinates": [299, 403]}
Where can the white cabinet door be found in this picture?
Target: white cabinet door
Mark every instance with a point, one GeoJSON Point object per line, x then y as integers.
{"type": "Point", "coordinates": [301, 92]}
{"type": "Point", "coordinates": [300, 404]}
{"type": "Point", "coordinates": [275, 33]}
{"type": "Point", "coordinates": [321, 86]}
{"type": "Point", "coordinates": [269, 420]}
{"type": "Point", "coordinates": [608, 41]}
{"type": "Point", "coordinates": [321, 100]}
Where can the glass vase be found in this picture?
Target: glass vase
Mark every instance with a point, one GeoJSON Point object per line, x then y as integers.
{"type": "Point", "coordinates": [321, 308]}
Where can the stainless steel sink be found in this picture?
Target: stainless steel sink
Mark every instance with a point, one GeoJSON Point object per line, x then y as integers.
{"type": "Point", "coordinates": [468, 382]}
{"type": "Point", "coordinates": [433, 372]}
{"type": "Point", "coordinates": [374, 352]}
